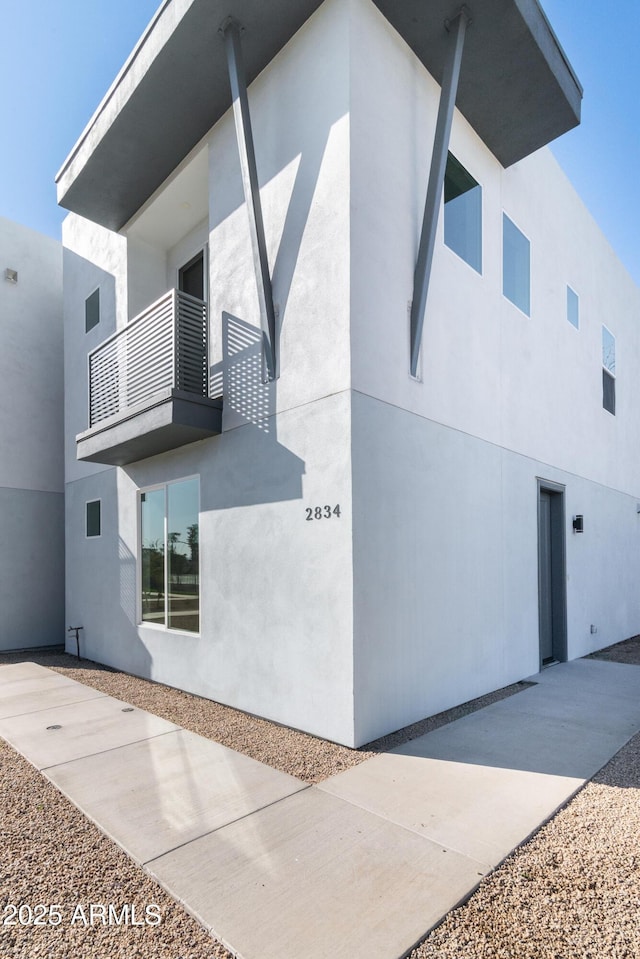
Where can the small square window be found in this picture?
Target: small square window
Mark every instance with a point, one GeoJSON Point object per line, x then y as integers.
{"type": "Point", "coordinates": [516, 266]}
{"type": "Point", "coordinates": [573, 308]}
{"type": "Point", "coordinates": [92, 310]}
{"type": "Point", "coordinates": [463, 214]}
{"type": "Point", "coordinates": [94, 518]}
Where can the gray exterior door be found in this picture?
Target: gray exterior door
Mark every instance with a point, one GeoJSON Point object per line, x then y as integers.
{"type": "Point", "coordinates": [551, 576]}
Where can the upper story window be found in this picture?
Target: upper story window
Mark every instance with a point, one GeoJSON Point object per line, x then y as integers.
{"type": "Point", "coordinates": [92, 310]}
{"type": "Point", "coordinates": [608, 371]}
{"type": "Point", "coordinates": [463, 213]}
{"type": "Point", "coordinates": [573, 308]}
{"type": "Point", "coordinates": [516, 266]}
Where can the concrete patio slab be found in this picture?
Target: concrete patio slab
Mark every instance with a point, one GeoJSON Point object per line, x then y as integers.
{"type": "Point", "coordinates": [482, 784]}
{"type": "Point", "coordinates": [17, 672]}
{"type": "Point", "coordinates": [313, 876]}
{"type": "Point", "coordinates": [479, 811]}
{"type": "Point", "coordinates": [595, 675]}
{"type": "Point", "coordinates": [46, 697]}
{"type": "Point", "coordinates": [86, 728]}
{"type": "Point", "coordinates": [158, 794]}
{"type": "Point", "coordinates": [28, 687]}
{"type": "Point", "coordinates": [526, 735]}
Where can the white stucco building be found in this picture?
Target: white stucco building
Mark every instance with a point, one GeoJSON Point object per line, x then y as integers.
{"type": "Point", "coordinates": [31, 440]}
{"type": "Point", "coordinates": [264, 505]}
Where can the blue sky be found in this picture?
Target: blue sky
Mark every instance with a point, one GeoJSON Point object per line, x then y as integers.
{"type": "Point", "coordinates": [58, 59]}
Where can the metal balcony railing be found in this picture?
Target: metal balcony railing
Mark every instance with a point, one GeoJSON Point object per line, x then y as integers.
{"type": "Point", "coordinates": [164, 347]}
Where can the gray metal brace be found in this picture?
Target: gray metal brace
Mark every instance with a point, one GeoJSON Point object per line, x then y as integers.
{"type": "Point", "coordinates": [457, 28]}
{"type": "Point", "coordinates": [230, 30]}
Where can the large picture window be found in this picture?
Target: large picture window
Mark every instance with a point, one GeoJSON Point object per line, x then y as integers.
{"type": "Point", "coordinates": [170, 574]}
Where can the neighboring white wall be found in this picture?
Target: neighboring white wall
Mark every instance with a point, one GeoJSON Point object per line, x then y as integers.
{"type": "Point", "coordinates": [31, 440]}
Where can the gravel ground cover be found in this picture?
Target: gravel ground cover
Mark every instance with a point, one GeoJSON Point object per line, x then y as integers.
{"type": "Point", "coordinates": [572, 892]}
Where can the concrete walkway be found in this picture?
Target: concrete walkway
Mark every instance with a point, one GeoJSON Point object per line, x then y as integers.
{"type": "Point", "coordinates": [361, 866]}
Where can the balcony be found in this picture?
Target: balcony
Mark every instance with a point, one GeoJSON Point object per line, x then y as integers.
{"type": "Point", "coordinates": [148, 385]}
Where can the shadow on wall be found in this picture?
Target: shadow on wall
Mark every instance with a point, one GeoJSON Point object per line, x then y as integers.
{"type": "Point", "coordinates": [251, 466]}
{"type": "Point", "coordinates": [279, 143]}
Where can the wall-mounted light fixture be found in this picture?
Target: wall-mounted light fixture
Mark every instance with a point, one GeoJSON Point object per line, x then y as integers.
{"type": "Point", "coordinates": [578, 524]}
{"type": "Point", "coordinates": [11, 276]}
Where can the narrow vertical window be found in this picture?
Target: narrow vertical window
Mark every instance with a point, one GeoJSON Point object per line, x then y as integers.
{"type": "Point", "coordinates": [463, 213]}
{"type": "Point", "coordinates": [92, 311]}
{"type": "Point", "coordinates": [573, 308]}
{"type": "Point", "coordinates": [170, 556]}
{"type": "Point", "coordinates": [608, 371]}
{"type": "Point", "coordinates": [93, 518]}
{"type": "Point", "coordinates": [516, 266]}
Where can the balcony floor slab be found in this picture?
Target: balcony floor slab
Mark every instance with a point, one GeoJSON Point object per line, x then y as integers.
{"type": "Point", "coordinates": [166, 422]}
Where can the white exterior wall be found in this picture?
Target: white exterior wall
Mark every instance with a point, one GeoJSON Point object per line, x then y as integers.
{"type": "Point", "coordinates": [31, 460]}
{"type": "Point", "coordinates": [276, 589]}
{"type": "Point", "coordinates": [445, 470]}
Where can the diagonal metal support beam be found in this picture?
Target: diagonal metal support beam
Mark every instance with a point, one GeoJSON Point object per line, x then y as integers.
{"type": "Point", "coordinates": [457, 30]}
{"type": "Point", "coordinates": [230, 30]}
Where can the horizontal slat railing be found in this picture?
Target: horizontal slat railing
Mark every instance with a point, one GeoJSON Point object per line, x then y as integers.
{"type": "Point", "coordinates": [165, 346]}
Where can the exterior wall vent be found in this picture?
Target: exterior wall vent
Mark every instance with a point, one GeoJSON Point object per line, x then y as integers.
{"type": "Point", "coordinates": [11, 276]}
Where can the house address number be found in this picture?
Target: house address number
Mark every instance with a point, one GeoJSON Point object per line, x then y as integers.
{"type": "Point", "coordinates": [322, 512]}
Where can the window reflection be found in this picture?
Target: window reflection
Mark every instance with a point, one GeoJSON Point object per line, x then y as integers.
{"type": "Point", "coordinates": [152, 518]}
{"type": "Point", "coordinates": [463, 213]}
{"type": "Point", "coordinates": [183, 559]}
{"type": "Point", "coordinates": [170, 556]}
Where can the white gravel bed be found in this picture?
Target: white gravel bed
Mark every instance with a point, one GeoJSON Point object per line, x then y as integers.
{"type": "Point", "coordinates": [572, 892]}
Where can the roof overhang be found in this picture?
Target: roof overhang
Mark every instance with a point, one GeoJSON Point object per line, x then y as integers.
{"type": "Point", "coordinates": [517, 88]}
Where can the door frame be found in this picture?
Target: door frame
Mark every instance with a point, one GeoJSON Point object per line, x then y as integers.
{"type": "Point", "coordinates": [558, 569]}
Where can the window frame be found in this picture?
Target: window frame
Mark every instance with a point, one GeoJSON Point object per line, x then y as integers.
{"type": "Point", "coordinates": [527, 313]}
{"type": "Point", "coordinates": [90, 502]}
{"type": "Point", "coordinates": [146, 624]}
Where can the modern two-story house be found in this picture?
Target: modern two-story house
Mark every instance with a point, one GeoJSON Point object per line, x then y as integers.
{"type": "Point", "coordinates": [351, 407]}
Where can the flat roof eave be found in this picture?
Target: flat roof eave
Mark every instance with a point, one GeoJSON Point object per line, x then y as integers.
{"type": "Point", "coordinates": [517, 88]}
